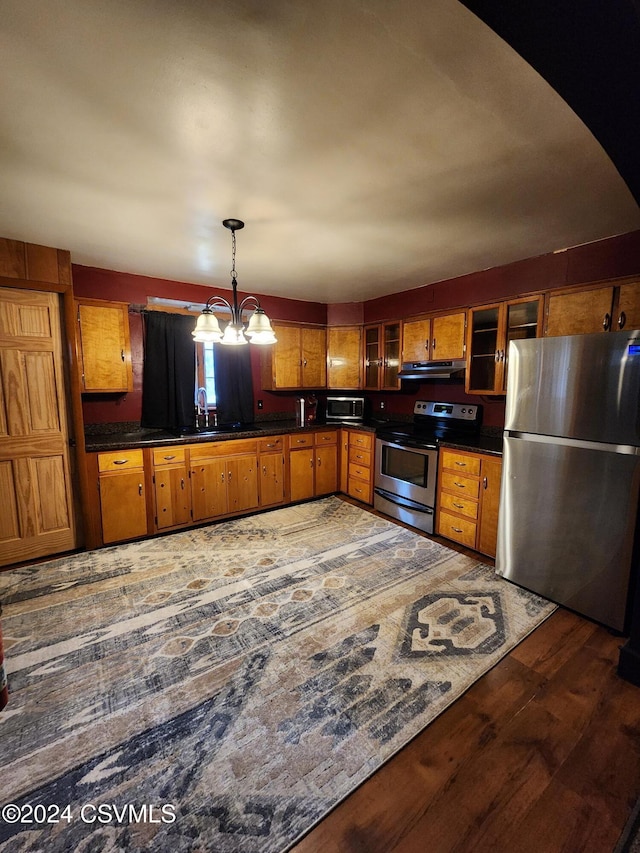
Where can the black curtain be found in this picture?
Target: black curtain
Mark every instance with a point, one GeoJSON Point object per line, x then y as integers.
{"type": "Point", "coordinates": [234, 384]}
{"type": "Point", "coordinates": [168, 383]}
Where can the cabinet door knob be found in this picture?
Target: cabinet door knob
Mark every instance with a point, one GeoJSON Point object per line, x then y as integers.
{"type": "Point", "coordinates": [606, 322]}
{"type": "Point", "coordinates": [140, 489]}
{"type": "Point", "coordinates": [484, 482]}
{"type": "Point", "coordinates": [622, 319]}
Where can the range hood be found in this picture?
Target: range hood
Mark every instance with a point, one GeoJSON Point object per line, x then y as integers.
{"type": "Point", "coordinates": [433, 369]}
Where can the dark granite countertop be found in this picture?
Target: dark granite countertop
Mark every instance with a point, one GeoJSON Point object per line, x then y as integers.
{"type": "Point", "coordinates": [137, 438]}
{"type": "Point", "coordinates": [489, 442]}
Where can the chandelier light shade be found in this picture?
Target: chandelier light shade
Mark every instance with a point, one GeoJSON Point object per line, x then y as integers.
{"type": "Point", "coordinates": [258, 329]}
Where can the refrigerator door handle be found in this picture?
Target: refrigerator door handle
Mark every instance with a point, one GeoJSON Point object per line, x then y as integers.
{"type": "Point", "coordinates": [627, 449]}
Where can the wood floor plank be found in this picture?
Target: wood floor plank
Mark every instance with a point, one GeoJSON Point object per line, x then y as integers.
{"type": "Point", "coordinates": [541, 754]}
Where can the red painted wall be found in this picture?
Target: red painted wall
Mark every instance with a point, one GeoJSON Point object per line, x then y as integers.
{"type": "Point", "coordinates": [135, 289]}
{"type": "Point", "coordinates": [615, 257]}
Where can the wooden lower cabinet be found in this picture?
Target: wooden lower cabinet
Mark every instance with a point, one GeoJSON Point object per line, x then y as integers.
{"type": "Point", "coordinates": [224, 478]}
{"type": "Point", "coordinates": [313, 464]}
{"type": "Point", "coordinates": [171, 489]}
{"type": "Point", "coordinates": [356, 474]}
{"type": "Point", "coordinates": [272, 471]}
{"type": "Point", "coordinates": [123, 501]}
{"type": "Point", "coordinates": [468, 499]}
{"type": "Point", "coordinates": [326, 462]}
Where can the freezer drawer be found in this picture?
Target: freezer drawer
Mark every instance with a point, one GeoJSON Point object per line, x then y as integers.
{"type": "Point", "coordinates": [568, 517]}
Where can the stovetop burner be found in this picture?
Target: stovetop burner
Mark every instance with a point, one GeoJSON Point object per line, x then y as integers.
{"type": "Point", "coordinates": [433, 422]}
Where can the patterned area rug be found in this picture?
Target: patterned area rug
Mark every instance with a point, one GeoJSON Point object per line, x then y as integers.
{"type": "Point", "coordinates": [223, 688]}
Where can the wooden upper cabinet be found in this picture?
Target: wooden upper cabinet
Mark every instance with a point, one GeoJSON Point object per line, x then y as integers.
{"type": "Point", "coordinates": [382, 354]}
{"type": "Point", "coordinates": [491, 329]}
{"type": "Point", "coordinates": [627, 315]}
{"type": "Point", "coordinates": [297, 360]}
{"type": "Point", "coordinates": [104, 346]}
{"type": "Point", "coordinates": [579, 312]}
{"type": "Point", "coordinates": [583, 311]}
{"type": "Point", "coordinates": [344, 357]}
{"type": "Point", "coordinates": [313, 354]}
{"type": "Point", "coordinates": [438, 338]}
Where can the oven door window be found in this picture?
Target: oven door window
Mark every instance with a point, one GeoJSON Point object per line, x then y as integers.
{"type": "Point", "coordinates": [404, 464]}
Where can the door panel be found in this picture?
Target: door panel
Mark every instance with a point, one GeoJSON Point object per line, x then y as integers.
{"type": "Point", "coordinates": [566, 524]}
{"type": "Point", "coordinates": [37, 516]}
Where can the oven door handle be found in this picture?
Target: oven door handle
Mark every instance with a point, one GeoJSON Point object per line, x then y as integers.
{"type": "Point", "coordinates": [408, 445]}
{"type": "Point", "coordinates": [404, 502]}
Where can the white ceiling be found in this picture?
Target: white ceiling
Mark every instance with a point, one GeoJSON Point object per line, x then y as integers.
{"type": "Point", "coordinates": [369, 146]}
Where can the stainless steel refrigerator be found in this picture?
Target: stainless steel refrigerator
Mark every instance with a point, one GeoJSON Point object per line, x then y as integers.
{"type": "Point", "coordinates": [568, 516]}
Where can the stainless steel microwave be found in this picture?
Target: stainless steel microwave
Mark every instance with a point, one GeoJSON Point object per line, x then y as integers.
{"type": "Point", "coordinates": [345, 408]}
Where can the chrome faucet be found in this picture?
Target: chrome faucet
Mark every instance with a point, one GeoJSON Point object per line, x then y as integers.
{"type": "Point", "coordinates": [202, 410]}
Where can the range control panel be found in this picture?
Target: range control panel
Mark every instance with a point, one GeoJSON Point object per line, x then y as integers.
{"type": "Point", "coordinates": [453, 411]}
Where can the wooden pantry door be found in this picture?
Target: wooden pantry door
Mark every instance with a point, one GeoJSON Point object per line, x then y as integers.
{"type": "Point", "coordinates": [36, 507]}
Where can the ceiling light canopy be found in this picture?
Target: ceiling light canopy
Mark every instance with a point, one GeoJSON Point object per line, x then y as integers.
{"type": "Point", "coordinates": [258, 329]}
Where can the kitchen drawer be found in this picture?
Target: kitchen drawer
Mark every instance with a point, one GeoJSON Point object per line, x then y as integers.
{"type": "Point", "coordinates": [303, 440]}
{"type": "Point", "coordinates": [168, 456]}
{"type": "Point", "coordinates": [457, 503]}
{"type": "Point", "coordinates": [359, 472]}
{"type": "Point", "coordinates": [461, 462]}
{"type": "Point", "coordinates": [271, 445]}
{"type": "Point", "coordinates": [358, 489]}
{"type": "Point", "coordinates": [361, 439]}
{"type": "Point", "coordinates": [329, 437]}
{"type": "Point", "coordinates": [360, 456]}
{"type": "Point", "coordinates": [458, 529]}
{"type": "Point", "coordinates": [459, 484]}
{"type": "Point", "coordinates": [207, 450]}
{"type": "Point", "coordinates": [118, 460]}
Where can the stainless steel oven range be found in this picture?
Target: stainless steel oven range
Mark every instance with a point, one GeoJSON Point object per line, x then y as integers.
{"type": "Point", "coordinates": [406, 459]}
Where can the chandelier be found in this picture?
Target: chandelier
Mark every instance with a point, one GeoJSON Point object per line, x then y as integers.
{"type": "Point", "coordinates": [257, 331]}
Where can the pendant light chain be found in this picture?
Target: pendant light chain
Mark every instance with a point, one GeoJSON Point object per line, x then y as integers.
{"type": "Point", "coordinates": [234, 275]}
{"type": "Point", "coordinates": [257, 331]}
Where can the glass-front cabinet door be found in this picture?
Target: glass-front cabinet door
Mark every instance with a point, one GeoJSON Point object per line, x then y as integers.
{"type": "Point", "coordinates": [382, 351]}
{"type": "Point", "coordinates": [523, 321]}
{"type": "Point", "coordinates": [491, 328]}
{"type": "Point", "coordinates": [391, 355]}
{"type": "Point", "coordinates": [372, 357]}
{"type": "Point", "coordinates": [484, 352]}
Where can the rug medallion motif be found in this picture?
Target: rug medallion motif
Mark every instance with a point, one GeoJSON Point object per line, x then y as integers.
{"type": "Point", "coordinates": [223, 688]}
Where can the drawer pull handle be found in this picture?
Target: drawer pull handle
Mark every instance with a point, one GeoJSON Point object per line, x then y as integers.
{"type": "Point", "coordinates": [456, 529]}
{"type": "Point", "coordinates": [458, 506]}
{"type": "Point", "coordinates": [120, 461]}
{"type": "Point", "coordinates": [301, 441]}
{"type": "Point", "coordinates": [460, 485]}
{"type": "Point", "coordinates": [461, 464]}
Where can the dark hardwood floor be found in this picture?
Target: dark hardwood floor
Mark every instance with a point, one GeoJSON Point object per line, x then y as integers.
{"type": "Point", "coordinates": [542, 754]}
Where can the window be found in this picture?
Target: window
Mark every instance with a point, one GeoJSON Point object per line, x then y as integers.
{"type": "Point", "coordinates": [205, 374]}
